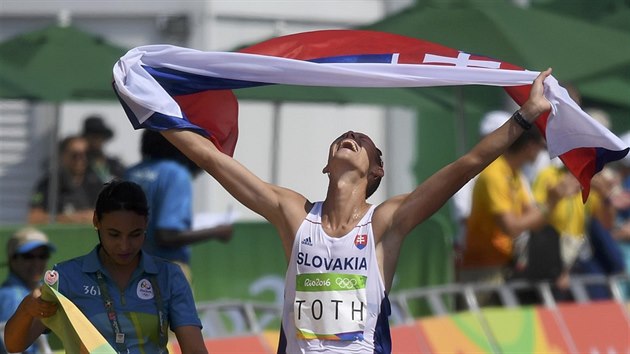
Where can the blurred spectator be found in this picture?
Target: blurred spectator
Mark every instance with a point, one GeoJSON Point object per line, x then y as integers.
{"type": "Point", "coordinates": [166, 175]}
{"type": "Point", "coordinates": [28, 251]}
{"type": "Point", "coordinates": [77, 188]}
{"type": "Point", "coordinates": [621, 231]}
{"type": "Point", "coordinates": [567, 218]}
{"type": "Point", "coordinates": [603, 254]}
{"type": "Point", "coordinates": [97, 134]}
{"type": "Point", "coordinates": [586, 245]}
{"type": "Point", "coordinates": [462, 200]}
{"type": "Point", "coordinates": [503, 210]}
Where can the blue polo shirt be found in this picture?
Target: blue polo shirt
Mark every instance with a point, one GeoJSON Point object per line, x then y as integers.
{"type": "Point", "coordinates": [168, 187]}
{"type": "Point", "coordinates": [12, 292]}
{"type": "Point", "coordinates": [136, 307]}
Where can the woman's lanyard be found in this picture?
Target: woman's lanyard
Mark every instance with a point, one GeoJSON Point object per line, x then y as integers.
{"type": "Point", "coordinates": [113, 317]}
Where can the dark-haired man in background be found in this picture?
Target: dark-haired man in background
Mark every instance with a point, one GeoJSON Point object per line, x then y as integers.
{"type": "Point", "coordinates": [77, 187]}
{"type": "Point", "coordinates": [97, 133]}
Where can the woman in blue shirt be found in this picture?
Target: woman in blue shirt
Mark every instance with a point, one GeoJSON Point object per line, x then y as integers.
{"type": "Point", "coordinates": [130, 296]}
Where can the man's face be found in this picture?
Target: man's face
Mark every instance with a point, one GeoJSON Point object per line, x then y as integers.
{"type": "Point", "coordinates": [356, 143]}
{"type": "Point", "coordinates": [30, 266]}
{"type": "Point", "coordinates": [362, 142]}
{"type": "Point", "coordinates": [74, 157]}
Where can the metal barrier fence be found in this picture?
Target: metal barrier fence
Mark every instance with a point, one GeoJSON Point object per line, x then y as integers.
{"type": "Point", "coordinates": [232, 318]}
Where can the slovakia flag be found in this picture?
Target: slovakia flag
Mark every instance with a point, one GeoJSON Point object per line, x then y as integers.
{"type": "Point", "coordinates": [167, 87]}
{"type": "Point", "coordinates": [361, 241]}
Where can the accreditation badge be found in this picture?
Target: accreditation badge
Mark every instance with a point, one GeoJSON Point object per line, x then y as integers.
{"type": "Point", "coordinates": [330, 306]}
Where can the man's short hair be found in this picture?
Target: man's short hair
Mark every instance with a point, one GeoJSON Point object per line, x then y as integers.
{"type": "Point", "coordinates": [529, 136]}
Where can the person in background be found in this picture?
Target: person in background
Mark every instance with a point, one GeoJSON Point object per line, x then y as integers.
{"type": "Point", "coordinates": [621, 230]}
{"type": "Point", "coordinates": [503, 213]}
{"type": "Point", "coordinates": [146, 293]}
{"type": "Point", "coordinates": [97, 133]}
{"type": "Point", "coordinates": [461, 201]}
{"type": "Point", "coordinates": [166, 176]}
{"type": "Point", "coordinates": [568, 218]}
{"type": "Point", "coordinates": [28, 251]}
{"type": "Point", "coordinates": [586, 243]}
{"type": "Point", "coordinates": [77, 187]}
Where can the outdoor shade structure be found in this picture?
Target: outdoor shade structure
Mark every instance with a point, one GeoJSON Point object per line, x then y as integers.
{"type": "Point", "coordinates": [595, 58]}
{"type": "Point", "coordinates": [531, 38]}
{"type": "Point", "coordinates": [612, 89]}
{"type": "Point", "coordinates": [57, 64]}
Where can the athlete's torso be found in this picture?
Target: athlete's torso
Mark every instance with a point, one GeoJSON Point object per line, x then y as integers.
{"type": "Point", "coordinates": [335, 299]}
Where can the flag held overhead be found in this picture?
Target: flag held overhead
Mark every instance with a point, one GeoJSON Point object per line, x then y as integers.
{"type": "Point", "coordinates": [167, 87]}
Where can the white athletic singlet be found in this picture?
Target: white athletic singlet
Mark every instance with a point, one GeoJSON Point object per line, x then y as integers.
{"type": "Point", "coordinates": [334, 297]}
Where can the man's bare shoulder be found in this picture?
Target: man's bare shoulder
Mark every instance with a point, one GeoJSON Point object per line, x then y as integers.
{"type": "Point", "coordinates": [383, 217]}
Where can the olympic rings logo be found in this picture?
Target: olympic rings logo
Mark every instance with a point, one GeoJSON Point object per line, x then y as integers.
{"type": "Point", "coordinates": [346, 283]}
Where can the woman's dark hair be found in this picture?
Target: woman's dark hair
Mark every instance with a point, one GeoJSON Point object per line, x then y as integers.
{"type": "Point", "coordinates": [119, 195]}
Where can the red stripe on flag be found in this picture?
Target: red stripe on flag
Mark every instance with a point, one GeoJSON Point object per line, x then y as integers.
{"type": "Point", "coordinates": [323, 44]}
{"type": "Point", "coordinates": [582, 163]}
{"type": "Point", "coordinates": [215, 111]}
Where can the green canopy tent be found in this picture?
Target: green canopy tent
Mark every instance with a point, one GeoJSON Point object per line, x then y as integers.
{"type": "Point", "coordinates": [591, 11]}
{"type": "Point", "coordinates": [614, 87]}
{"type": "Point", "coordinates": [530, 38]}
{"type": "Point", "coordinates": [11, 85]}
{"type": "Point", "coordinates": [609, 90]}
{"type": "Point", "coordinates": [57, 64]}
{"type": "Point", "coordinates": [619, 20]}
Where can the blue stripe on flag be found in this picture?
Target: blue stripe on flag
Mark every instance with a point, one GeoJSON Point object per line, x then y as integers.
{"type": "Point", "coordinates": [604, 156]}
{"type": "Point", "coordinates": [177, 82]}
{"type": "Point", "coordinates": [160, 121]}
{"type": "Point", "coordinates": [363, 58]}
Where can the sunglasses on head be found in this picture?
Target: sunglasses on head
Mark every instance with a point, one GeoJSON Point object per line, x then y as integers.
{"type": "Point", "coordinates": [31, 256]}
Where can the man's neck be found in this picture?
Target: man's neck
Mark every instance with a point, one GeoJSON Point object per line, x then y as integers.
{"type": "Point", "coordinates": [342, 211]}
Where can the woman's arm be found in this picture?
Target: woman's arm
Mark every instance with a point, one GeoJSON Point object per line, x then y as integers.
{"type": "Point", "coordinates": [23, 328]}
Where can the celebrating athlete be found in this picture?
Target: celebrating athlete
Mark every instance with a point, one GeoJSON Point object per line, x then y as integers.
{"type": "Point", "coordinates": [343, 251]}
